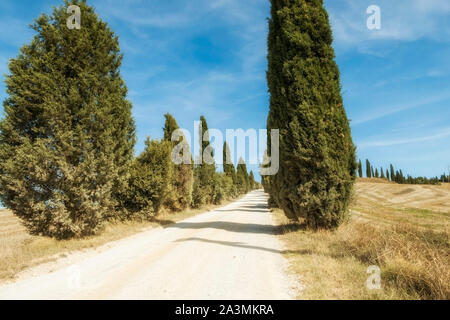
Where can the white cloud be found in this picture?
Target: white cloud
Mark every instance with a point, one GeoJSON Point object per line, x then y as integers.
{"type": "Point", "coordinates": [384, 111]}
{"type": "Point", "coordinates": [401, 20]}
{"type": "Point", "coordinates": [443, 133]}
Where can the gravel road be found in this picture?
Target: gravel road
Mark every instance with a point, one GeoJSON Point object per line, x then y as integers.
{"type": "Point", "coordinates": [228, 253]}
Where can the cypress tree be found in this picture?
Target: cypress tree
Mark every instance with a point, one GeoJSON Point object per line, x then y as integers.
{"type": "Point", "coordinates": [360, 171]}
{"type": "Point", "coordinates": [372, 172]}
{"type": "Point", "coordinates": [401, 177]}
{"type": "Point", "coordinates": [204, 173]}
{"type": "Point", "coordinates": [180, 188]}
{"type": "Point", "coordinates": [377, 174]}
{"type": "Point", "coordinates": [317, 155]}
{"type": "Point", "coordinates": [382, 173]}
{"type": "Point", "coordinates": [387, 174]}
{"type": "Point", "coordinates": [228, 166]}
{"type": "Point", "coordinates": [242, 177]}
{"type": "Point", "coordinates": [229, 169]}
{"type": "Point", "coordinates": [170, 125]}
{"type": "Point", "coordinates": [368, 169]}
{"type": "Point", "coordinates": [252, 181]}
{"type": "Point", "coordinates": [392, 173]}
{"type": "Point", "coordinates": [67, 137]}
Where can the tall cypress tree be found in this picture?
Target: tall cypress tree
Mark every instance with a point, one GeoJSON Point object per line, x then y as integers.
{"type": "Point", "coordinates": [377, 174]}
{"type": "Point", "coordinates": [242, 177]}
{"type": "Point", "coordinates": [204, 173]}
{"type": "Point", "coordinates": [228, 166]}
{"type": "Point", "coordinates": [317, 155]}
{"type": "Point", "coordinates": [67, 137]}
{"type": "Point", "coordinates": [360, 170]}
{"type": "Point", "coordinates": [182, 181]}
{"type": "Point", "coordinates": [229, 169]}
{"type": "Point", "coordinates": [382, 173]}
{"type": "Point", "coordinates": [368, 169]}
{"type": "Point", "coordinates": [392, 173]}
{"type": "Point", "coordinates": [252, 181]}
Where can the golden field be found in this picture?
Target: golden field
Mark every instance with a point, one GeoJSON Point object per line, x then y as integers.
{"type": "Point", "coordinates": [402, 229]}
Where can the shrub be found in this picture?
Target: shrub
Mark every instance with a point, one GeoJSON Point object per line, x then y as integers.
{"type": "Point", "coordinates": [150, 177]}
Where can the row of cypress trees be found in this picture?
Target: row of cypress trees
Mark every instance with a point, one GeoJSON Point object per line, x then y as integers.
{"type": "Point", "coordinates": [317, 156]}
{"type": "Point", "coordinates": [67, 138]}
{"type": "Point", "coordinates": [397, 175]}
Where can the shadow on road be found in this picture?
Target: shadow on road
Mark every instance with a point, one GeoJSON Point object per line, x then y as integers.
{"type": "Point", "coordinates": [239, 227]}
{"type": "Point", "coordinates": [243, 245]}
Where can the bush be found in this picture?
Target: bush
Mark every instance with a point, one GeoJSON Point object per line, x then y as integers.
{"type": "Point", "coordinates": [223, 188]}
{"type": "Point", "coordinates": [150, 177]}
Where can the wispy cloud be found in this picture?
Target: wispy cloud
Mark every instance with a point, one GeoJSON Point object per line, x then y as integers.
{"type": "Point", "coordinates": [443, 133]}
{"type": "Point", "coordinates": [384, 111]}
{"type": "Point", "coordinates": [401, 20]}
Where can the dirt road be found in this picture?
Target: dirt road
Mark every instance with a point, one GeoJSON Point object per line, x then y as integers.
{"type": "Point", "coordinates": [228, 253]}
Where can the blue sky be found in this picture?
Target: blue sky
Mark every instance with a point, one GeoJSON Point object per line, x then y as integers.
{"type": "Point", "coordinates": [209, 57]}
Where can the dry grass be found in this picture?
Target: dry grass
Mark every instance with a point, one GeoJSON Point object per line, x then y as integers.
{"type": "Point", "coordinates": [19, 250]}
{"type": "Point", "coordinates": [410, 245]}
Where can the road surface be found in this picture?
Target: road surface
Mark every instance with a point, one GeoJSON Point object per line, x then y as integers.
{"type": "Point", "coordinates": [228, 253]}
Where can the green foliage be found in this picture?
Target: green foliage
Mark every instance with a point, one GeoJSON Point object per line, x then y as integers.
{"type": "Point", "coordinates": [229, 170]}
{"type": "Point", "coordinates": [392, 172]}
{"type": "Point", "coordinates": [398, 177]}
{"type": "Point", "coordinates": [179, 195]}
{"type": "Point", "coordinates": [368, 169]}
{"type": "Point", "coordinates": [243, 184]}
{"type": "Point", "coordinates": [317, 155]}
{"type": "Point", "coordinates": [252, 183]}
{"type": "Point", "coordinates": [67, 137]}
{"type": "Point", "coordinates": [223, 188]}
{"type": "Point", "coordinates": [360, 170]}
{"type": "Point", "coordinates": [150, 178]}
{"type": "Point", "coordinates": [204, 174]}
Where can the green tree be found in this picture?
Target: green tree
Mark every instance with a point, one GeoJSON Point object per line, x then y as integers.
{"type": "Point", "coordinates": [360, 170]}
{"type": "Point", "coordinates": [401, 177]}
{"type": "Point", "coordinates": [317, 155]}
{"type": "Point", "coordinates": [382, 173]}
{"type": "Point", "coordinates": [252, 181]}
{"type": "Point", "coordinates": [242, 177]}
{"type": "Point", "coordinates": [392, 172]}
{"type": "Point", "coordinates": [204, 173]}
{"type": "Point", "coordinates": [180, 188]}
{"type": "Point", "coordinates": [387, 174]}
{"type": "Point", "coordinates": [150, 179]}
{"type": "Point", "coordinates": [377, 174]}
{"type": "Point", "coordinates": [368, 169]}
{"type": "Point", "coordinates": [67, 136]}
{"type": "Point", "coordinates": [229, 169]}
